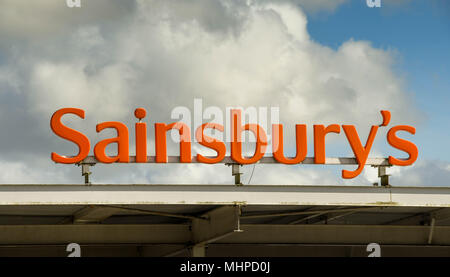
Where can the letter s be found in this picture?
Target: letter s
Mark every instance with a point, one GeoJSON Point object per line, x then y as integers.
{"type": "Point", "coordinates": [69, 134]}
{"type": "Point", "coordinates": [403, 145]}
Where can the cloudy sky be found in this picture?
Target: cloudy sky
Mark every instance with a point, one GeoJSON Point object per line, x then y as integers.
{"type": "Point", "coordinates": [320, 62]}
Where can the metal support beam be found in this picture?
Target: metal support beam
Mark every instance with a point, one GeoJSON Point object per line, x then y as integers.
{"type": "Point", "coordinates": [316, 212]}
{"type": "Point", "coordinates": [155, 213]}
{"type": "Point", "coordinates": [384, 178]}
{"type": "Point", "coordinates": [94, 234]}
{"type": "Point", "coordinates": [198, 250]}
{"type": "Point", "coordinates": [85, 166]}
{"type": "Point", "coordinates": [236, 172]}
{"type": "Point", "coordinates": [381, 163]}
{"type": "Point", "coordinates": [337, 234]}
{"type": "Point", "coordinates": [263, 160]}
{"type": "Point", "coordinates": [222, 221]}
{"type": "Point", "coordinates": [430, 236]}
{"type": "Point", "coordinates": [441, 214]}
{"type": "Point", "coordinates": [226, 250]}
{"type": "Point", "coordinates": [253, 234]}
{"type": "Point", "coordinates": [331, 217]}
{"type": "Point", "coordinates": [93, 214]}
{"type": "Point", "coordinates": [298, 221]}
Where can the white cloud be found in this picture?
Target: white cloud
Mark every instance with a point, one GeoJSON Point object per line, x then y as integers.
{"type": "Point", "coordinates": [314, 6]}
{"type": "Point", "coordinates": [425, 173]}
{"type": "Point", "coordinates": [40, 19]}
{"type": "Point", "coordinates": [18, 172]}
{"type": "Point", "coordinates": [44, 18]}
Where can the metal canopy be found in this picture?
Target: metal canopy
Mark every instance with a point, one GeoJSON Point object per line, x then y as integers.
{"type": "Point", "coordinates": [223, 220]}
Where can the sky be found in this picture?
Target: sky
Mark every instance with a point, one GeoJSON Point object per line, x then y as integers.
{"type": "Point", "coordinates": [419, 31]}
{"type": "Point", "coordinates": [320, 62]}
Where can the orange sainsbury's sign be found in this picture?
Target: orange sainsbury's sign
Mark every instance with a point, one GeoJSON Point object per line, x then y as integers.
{"type": "Point", "coordinates": [360, 151]}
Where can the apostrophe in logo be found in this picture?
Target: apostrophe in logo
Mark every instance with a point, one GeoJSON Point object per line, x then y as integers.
{"type": "Point", "coordinates": [73, 3]}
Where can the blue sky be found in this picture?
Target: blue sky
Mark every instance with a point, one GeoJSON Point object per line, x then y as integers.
{"type": "Point", "coordinates": [419, 34]}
